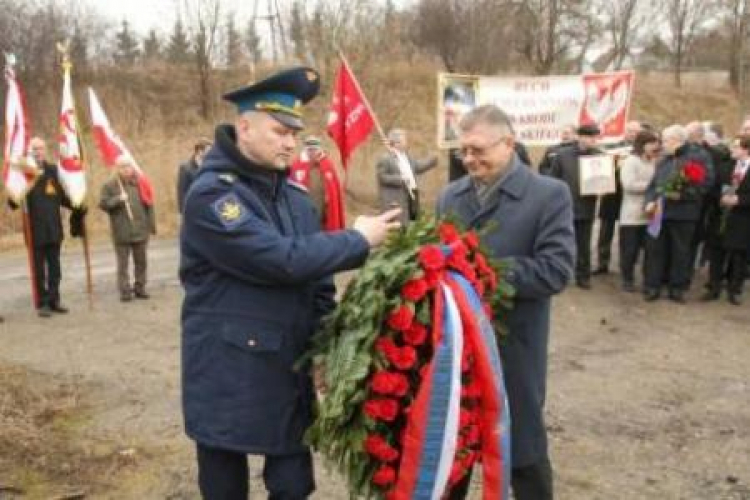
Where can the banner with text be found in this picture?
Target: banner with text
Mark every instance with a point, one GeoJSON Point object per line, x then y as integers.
{"type": "Point", "coordinates": [539, 107]}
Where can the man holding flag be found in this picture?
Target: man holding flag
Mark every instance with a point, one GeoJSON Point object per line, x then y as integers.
{"type": "Point", "coordinates": [43, 201]}
{"type": "Point", "coordinates": [397, 171]}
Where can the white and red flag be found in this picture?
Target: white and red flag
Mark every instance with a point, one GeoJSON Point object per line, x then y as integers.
{"type": "Point", "coordinates": [70, 165]}
{"type": "Point", "coordinates": [15, 153]}
{"type": "Point", "coordinates": [350, 120]}
{"type": "Point", "coordinates": [111, 147]}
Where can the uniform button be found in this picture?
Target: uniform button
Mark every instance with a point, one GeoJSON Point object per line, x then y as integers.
{"type": "Point", "coordinates": [251, 342]}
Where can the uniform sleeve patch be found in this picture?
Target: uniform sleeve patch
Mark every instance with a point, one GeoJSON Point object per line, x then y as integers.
{"type": "Point", "coordinates": [230, 210]}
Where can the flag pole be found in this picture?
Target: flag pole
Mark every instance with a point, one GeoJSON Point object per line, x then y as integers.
{"type": "Point", "coordinates": [364, 97]}
{"type": "Point", "coordinates": [29, 239]}
{"type": "Point", "coordinates": [67, 67]}
{"type": "Point", "coordinates": [375, 120]}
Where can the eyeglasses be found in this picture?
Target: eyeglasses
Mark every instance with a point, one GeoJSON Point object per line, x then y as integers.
{"type": "Point", "coordinates": [478, 152]}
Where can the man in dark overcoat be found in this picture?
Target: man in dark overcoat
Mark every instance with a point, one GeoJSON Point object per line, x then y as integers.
{"type": "Point", "coordinates": [44, 201]}
{"type": "Point", "coordinates": [257, 273]}
{"type": "Point", "coordinates": [565, 166]}
{"type": "Point", "coordinates": [528, 221]}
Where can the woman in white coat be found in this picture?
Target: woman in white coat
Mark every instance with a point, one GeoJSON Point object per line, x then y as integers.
{"type": "Point", "coordinates": [635, 174]}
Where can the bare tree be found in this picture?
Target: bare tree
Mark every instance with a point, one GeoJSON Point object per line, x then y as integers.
{"type": "Point", "coordinates": [737, 19]}
{"type": "Point", "coordinates": [202, 21]}
{"type": "Point", "coordinates": [552, 31]}
{"type": "Point", "coordinates": [621, 27]}
{"type": "Point", "coordinates": [684, 19]}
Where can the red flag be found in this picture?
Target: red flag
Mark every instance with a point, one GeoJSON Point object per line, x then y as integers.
{"type": "Point", "coordinates": [350, 120]}
{"type": "Point", "coordinates": [111, 147]}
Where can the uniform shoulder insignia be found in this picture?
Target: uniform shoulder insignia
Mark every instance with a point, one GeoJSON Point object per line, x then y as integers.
{"type": "Point", "coordinates": [297, 185]}
{"type": "Point", "coordinates": [230, 210]}
{"type": "Point", "coordinates": [227, 178]}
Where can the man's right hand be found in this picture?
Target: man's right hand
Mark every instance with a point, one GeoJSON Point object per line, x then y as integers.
{"type": "Point", "coordinates": [375, 228]}
{"type": "Point", "coordinates": [124, 197]}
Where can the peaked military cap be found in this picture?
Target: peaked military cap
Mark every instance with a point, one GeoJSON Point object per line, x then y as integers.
{"type": "Point", "coordinates": [281, 95]}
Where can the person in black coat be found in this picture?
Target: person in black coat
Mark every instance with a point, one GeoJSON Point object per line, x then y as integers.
{"type": "Point", "coordinates": [189, 169]}
{"type": "Point", "coordinates": [43, 202]}
{"type": "Point", "coordinates": [565, 166]}
{"type": "Point", "coordinates": [730, 226]}
{"type": "Point", "coordinates": [670, 248]}
{"type": "Point", "coordinates": [567, 138]}
{"type": "Point", "coordinates": [258, 276]}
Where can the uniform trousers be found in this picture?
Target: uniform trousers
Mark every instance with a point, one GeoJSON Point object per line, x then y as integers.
{"type": "Point", "coordinates": [224, 475]}
{"type": "Point", "coordinates": [531, 482]}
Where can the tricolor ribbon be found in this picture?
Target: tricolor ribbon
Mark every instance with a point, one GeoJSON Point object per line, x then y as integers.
{"type": "Point", "coordinates": [431, 434]}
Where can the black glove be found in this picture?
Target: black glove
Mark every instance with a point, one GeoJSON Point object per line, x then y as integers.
{"type": "Point", "coordinates": [78, 222]}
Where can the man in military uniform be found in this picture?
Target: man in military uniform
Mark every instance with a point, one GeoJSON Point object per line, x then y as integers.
{"type": "Point", "coordinates": [257, 273]}
{"type": "Point", "coordinates": [43, 201]}
{"type": "Point", "coordinates": [565, 166]}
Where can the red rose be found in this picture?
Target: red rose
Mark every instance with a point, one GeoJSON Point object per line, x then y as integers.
{"type": "Point", "coordinates": [431, 258]}
{"type": "Point", "coordinates": [389, 383]}
{"type": "Point", "coordinates": [694, 172]}
{"type": "Point", "coordinates": [381, 409]}
{"type": "Point", "coordinates": [401, 318]}
{"type": "Point", "coordinates": [403, 358]}
{"type": "Point", "coordinates": [448, 232]}
{"type": "Point", "coordinates": [481, 263]}
{"type": "Point", "coordinates": [472, 240]}
{"type": "Point", "coordinates": [416, 334]}
{"type": "Point", "coordinates": [432, 279]}
{"type": "Point", "coordinates": [464, 418]}
{"type": "Point", "coordinates": [384, 476]}
{"type": "Point", "coordinates": [414, 290]}
{"type": "Point", "coordinates": [386, 346]}
{"type": "Point", "coordinates": [379, 448]}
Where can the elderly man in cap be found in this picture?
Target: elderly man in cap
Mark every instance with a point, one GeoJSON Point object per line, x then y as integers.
{"type": "Point", "coordinates": [314, 172]}
{"type": "Point", "coordinates": [131, 222]}
{"type": "Point", "coordinates": [257, 273]}
{"type": "Point", "coordinates": [565, 166]}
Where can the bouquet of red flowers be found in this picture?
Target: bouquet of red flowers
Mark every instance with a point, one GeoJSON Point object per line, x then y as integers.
{"type": "Point", "coordinates": [393, 331]}
{"type": "Point", "coordinates": [685, 181]}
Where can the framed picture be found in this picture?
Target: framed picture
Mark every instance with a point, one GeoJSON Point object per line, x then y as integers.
{"type": "Point", "coordinates": [457, 94]}
{"type": "Point", "coordinates": [596, 174]}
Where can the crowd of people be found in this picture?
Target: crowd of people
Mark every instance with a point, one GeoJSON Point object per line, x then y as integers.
{"type": "Point", "coordinates": [682, 200]}
{"type": "Point", "coordinates": [264, 231]}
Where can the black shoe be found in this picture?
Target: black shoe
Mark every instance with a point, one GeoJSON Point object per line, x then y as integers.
{"type": "Point", "coordinates": [710, 295]}
{"type": "Point", "coordinates": [44, 312]}
{"type": "Point", "coordinates": [628, 286]}
{"type": "Point", "coordinates": [57, 308]}
{"type": "Point", "coordinates": [734, 299]}
{"type": "Point", "coordinates": [126, 297]}
{"type": "Point", "coordinates": [600, 270]}
{"type": "Point", "coordinates": [677, 297]}
{"type": "Point", "coordinates": [141, 294]}
{"type": "Point", "coordinates": [651, 295]}
{"type": "Point", "coordinates": [584, 284]}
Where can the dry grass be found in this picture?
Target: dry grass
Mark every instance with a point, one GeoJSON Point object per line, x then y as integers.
{"type": "Point", "coordinates": [41, 452]}
{"type": "Point", "coordinates": [154, 111]}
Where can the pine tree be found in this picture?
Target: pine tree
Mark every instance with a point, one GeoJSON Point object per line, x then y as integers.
{"type": "Point", "coordinates": [234, 43]}
{"type": "Point", "coordinates": [178, 48]}
{"type": "Point", "coordinates": [126, 50]}
{"type": "Point", "coordinates": [252, 42]}
{"type": "Point", "coordinates": [152, 46]}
